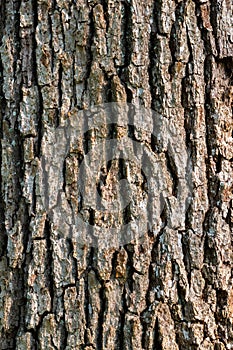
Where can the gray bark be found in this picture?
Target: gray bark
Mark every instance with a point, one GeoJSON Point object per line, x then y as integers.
{"type": "Point", "coordinates": [172, 289]}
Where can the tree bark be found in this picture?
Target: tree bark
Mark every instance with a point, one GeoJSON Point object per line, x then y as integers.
{"type": "Point", "coordinates": [173, 288]}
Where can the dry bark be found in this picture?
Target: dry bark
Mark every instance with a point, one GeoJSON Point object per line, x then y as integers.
{"type": "Point", "coordinates": [171, 290]}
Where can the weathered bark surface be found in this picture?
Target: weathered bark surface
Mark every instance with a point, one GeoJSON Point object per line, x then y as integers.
{"type": "Point", "coordinates": [173, 290]}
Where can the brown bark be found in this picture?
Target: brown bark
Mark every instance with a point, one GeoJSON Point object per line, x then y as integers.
{"type": "Point", "coordinates": [172, 289]}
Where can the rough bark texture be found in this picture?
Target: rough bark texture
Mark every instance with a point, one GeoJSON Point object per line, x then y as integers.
{"type": "Point", "coordinates": [173, 290]}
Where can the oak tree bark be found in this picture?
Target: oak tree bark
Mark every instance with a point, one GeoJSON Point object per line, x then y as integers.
{"type": "Point", "coordinates": [173, 289]}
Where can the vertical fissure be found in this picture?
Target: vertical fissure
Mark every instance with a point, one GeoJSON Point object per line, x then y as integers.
{"type": "Point", "coordinates": [126, 47]}
{"type": "Point", "coordinates": [49, 262]}
{"type": "Point", "coordinates": [38, 139]}
{"type": "Point", "coordinates": [89, 53]}
{"type": "Point", "coordinates": [60, 93]}
{"type": "Point", "coordinates": [157, 341]}
{"type": "Point", "coordinates": [3, 235]}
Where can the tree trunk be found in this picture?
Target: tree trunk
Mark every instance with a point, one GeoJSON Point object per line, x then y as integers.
{"type": "Point", "coordinates": [171, 287]}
